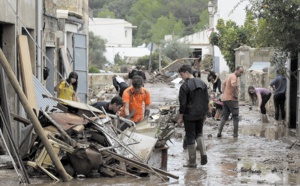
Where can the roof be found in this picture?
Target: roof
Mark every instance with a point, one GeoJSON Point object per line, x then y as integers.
{"type": "Point", "coordinates": [259, 67]}
{"type": "Point", "coordinates": [109, 21]}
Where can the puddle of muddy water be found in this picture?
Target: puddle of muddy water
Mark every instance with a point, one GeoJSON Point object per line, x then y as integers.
{"type": "Point", "coordinates": [256, 157]}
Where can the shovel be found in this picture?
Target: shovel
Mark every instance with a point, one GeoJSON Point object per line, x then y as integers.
{"type": "Point", "coordinates": [291, 146]}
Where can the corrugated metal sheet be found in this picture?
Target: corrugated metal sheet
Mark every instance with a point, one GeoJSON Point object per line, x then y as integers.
{"type": "Point", "coordinates": [39, 90]}
{"type": "Point", "coordinates": [259, 66]}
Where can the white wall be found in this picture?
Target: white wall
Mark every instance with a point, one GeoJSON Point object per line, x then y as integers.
{"type": "Point", "coordinates": [130, 53]}
{"type": "Point", "coordinates": [117, 32]}
{"type": "Point", "coordinates": [238, 16]}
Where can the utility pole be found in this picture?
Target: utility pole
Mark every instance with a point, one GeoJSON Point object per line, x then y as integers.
{"type": "Point", "coordinates": [150, 61]}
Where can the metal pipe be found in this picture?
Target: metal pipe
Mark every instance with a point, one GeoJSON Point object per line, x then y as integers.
{"type": "Point", "coordinates": [35, 122]}
{"type": "Point", "coordinates": [22, 180]}
{"type": "Point", "coordinates": [39, 15]}
{"type": "Point", "coordinates": [122, 119]}
{"type": "Point", "coordinates": [142, 165]}
{"type": "Point", "coordinates": [98, 126]}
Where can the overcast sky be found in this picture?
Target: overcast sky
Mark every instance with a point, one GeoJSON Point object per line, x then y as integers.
{"type": "Point", "coordinates": [238, 15]}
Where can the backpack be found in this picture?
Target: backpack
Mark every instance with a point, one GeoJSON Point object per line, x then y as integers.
{"type": "Point", "coordinates": [140, 73]}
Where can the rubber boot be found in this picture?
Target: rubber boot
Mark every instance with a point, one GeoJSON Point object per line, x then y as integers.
{"type": "Point", "coordinates": [235, 128]}
{"type": "Point", "coordinates": [202, 150]}
{"type": "Point", "coordinates": [2, 149]}
{"type": "Point", "coordinates": [184, 145]}
{"type": "Point", "coordinates": [264, 118]}
{"type": "Point", "coordinates": [221, 128]}
{"type": "Point", "coordinates": [192, 157]}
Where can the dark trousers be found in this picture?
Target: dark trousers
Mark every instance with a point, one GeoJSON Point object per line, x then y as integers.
{"type": "Point", "coordinates": [217, 85]}
{"type": "Point", "coordinates": [264, 101]}
{"type": "Point", "coordinates": [279, 101]}
{"type": "Point", "coordinates": [123, 86]}
{"type": "Point", "coordinates": [193, 130]}
{"type": "Point", "coordinates": [233, 108]}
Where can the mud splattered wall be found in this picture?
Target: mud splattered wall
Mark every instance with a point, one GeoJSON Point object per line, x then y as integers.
{"type": "Point", "coordinates": [245, 56]}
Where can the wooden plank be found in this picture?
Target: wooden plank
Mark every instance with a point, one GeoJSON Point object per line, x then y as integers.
{"type": "Point", "coordinates": [65, 60]}
{"type": "Point", "coordinates": [26, 72]}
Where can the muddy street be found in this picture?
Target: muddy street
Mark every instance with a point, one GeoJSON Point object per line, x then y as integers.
{"type": "Point", "coordinates": [259, 156]}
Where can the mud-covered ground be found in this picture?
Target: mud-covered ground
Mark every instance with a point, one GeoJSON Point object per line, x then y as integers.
{"type": "Point", "coordinates": [257, 157]}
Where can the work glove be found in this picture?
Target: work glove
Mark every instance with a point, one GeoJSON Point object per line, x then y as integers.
{"type": "Point", "coordinates": [146, 114]}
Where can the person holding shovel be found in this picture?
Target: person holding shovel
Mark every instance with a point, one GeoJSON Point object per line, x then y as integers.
{"type": "Point", "coordinates": [262, 95]}
{"type": "Point", "coordinates": [134, 97]}
{"type": "Point", "coordinates": [67, 89]}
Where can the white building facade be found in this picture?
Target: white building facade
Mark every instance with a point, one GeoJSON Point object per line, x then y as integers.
{"type": "Point", "coordinates": [117, 32]}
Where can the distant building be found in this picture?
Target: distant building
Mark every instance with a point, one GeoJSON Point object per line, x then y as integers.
{"type": "Point", "coordinates": [130, 55]}
{"type": "Point", "coordinates": [117, 32]}
{"type": "Point", "coordinates": [199, 42]}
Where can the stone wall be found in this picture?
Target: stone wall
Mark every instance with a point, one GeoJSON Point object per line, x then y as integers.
{"type": "Point", "coordinates": [98, 81]}
{"type": "Point", "coordinates": [245, 56]}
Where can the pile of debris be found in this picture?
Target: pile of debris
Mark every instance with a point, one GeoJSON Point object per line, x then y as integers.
{"type": "Point", "coordinates": [89, 144]}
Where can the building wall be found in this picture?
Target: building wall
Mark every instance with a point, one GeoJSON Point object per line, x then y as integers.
{"type": "Point", "coordinates": [72, 18]}
{"type": "Point", "coordinates": [71, 5]}
{"type": "Point", "coordinates": [14, 17]}
{"type": "Point", "coordinates": [50, 19]}
{"type": "Point", "coordinates": [245, 56]}
{"type": "Point", "coordinates": [117, 32]}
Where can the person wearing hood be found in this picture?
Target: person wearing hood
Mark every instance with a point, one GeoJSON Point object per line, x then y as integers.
{"type": "Point", "coordinates": [194, 105]}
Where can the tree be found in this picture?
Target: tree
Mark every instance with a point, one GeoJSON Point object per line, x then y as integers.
{"type": "Point", "coordinates": [203, 21]}
{"type": "Point", "coordinates": [176, 50]}
{"type": "Point", "coordinates": [96, 51]}
{"type": "Point", "coordinates": [118, 8]}
{"type": "Point", "coordinates": [250, 29]}
{"type": "Point", "coordinates": [143, 34]}
{"type": "Point", "coordinates": [106, 13]}
{"type": "Point", "coordinates": [190, 16]}
{"type": "Point", "coordinates": [166, 26]}
{"type": "Point", "coordinates": [144, 61]}
{"type": "Point", "coordinates": [147, 10]}
{"type": "Point", "coordinates": [93, 69]}
{"type": "Point", "coordinates": [228, 39]}
{"type": "Point", "coordinates": [121, 8]}
{"type": "Point", "coordinates": [189, 11]}
{"type": "Point", "coordinates": [118, 60]}
{"type": "Point", "coordinates": [186, 13]}
{"type": "Point", "coordinates": [231, 36]}
{"type": "Point", "coordinates": [279, 24]}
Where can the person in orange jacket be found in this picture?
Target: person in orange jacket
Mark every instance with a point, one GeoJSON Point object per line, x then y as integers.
{"type": "Point", "coordinates": [133, 98]}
